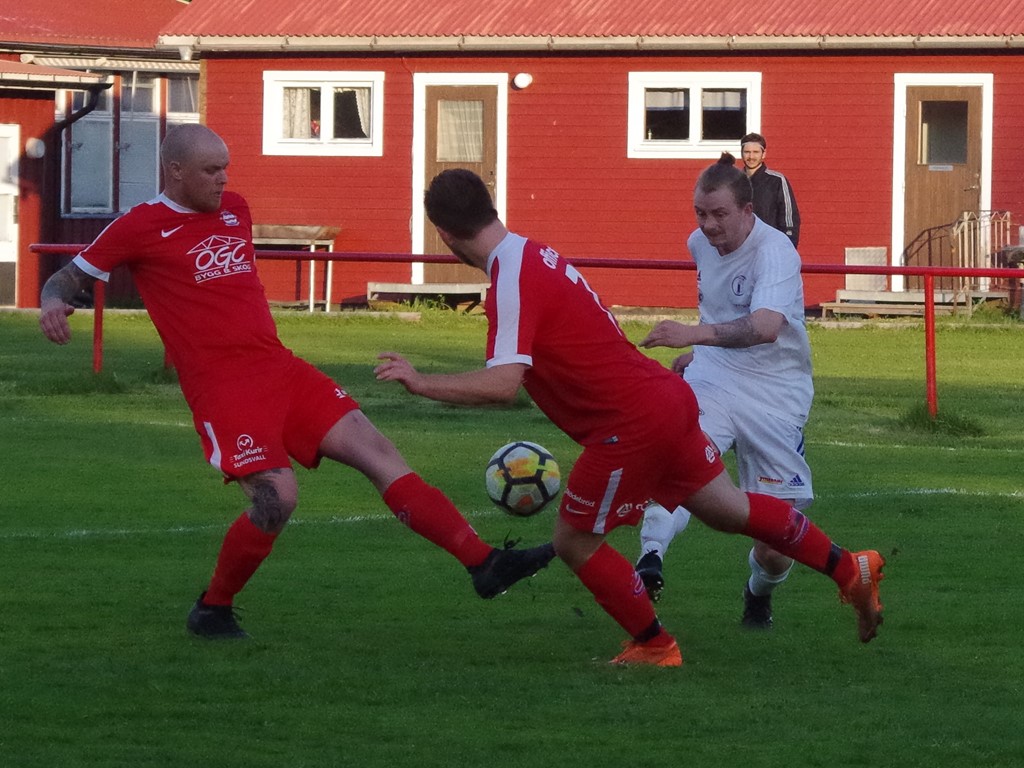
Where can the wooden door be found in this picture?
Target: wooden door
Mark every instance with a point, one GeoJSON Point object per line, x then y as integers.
{"type": "Point", "coordinates": [943, 164]}
{"type": "Point", "coordinates": [461, 132]}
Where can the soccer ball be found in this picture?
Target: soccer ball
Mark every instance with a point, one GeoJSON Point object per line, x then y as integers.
{"type": "Point", "coordinates": [522, 478]}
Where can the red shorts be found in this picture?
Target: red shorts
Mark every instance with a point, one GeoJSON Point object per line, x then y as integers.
{"type": "Point", "coordinates": [264, 420]}
{"type": "Point", "coordinates": [612, 482]}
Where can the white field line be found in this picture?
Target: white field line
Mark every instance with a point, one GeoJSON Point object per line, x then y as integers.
{"type": "Point", "coordinates": [85, 533]}
{"type": "Point", "coordinates": [897, 446]}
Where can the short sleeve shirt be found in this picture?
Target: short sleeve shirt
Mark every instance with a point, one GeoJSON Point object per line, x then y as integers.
{"type": "Point", "coordinates": [763, 273]}
{"type": "Point", "coordinates": [584, 374]}
{"type": "Point", "coordinates": [196, 274]}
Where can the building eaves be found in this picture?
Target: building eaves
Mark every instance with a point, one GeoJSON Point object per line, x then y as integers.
{"type": "Point", "coordinates": [21, 76]}
{"type": "Point", "coordinates": [497, 43]}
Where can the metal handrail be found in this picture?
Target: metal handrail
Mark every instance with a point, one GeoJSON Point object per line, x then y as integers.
{"type": "Point", "coordinates": [928, 273]}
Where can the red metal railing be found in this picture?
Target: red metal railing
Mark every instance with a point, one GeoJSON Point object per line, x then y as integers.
{"type": "Point", "coordinates": [928, 273]}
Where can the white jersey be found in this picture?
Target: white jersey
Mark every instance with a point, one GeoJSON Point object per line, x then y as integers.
{"type": "Point", "coordinates": [763, 273]}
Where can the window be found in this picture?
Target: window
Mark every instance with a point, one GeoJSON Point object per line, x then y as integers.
{"type": "Point", "coordinates": [120, 140]}
{"type": "Point", "coordinates": [943, 130]}
{"type": "Point", "coordinates": [323, 113]}
{"type": "Point", "coordinates": [460, 131]}
{"type": "Point", "coordinates": [691, 114]}
{"type": "Point", "coordinates": [182, 95]}
{"type": "Point", "coordinates": [139, 141]}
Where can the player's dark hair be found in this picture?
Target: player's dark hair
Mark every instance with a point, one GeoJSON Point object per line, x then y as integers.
{"type": "Point", "coordinates": [724, 173]}
{"type": "Point", "coordinates": [459, 202]}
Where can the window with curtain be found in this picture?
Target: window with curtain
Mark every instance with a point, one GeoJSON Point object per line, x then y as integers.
{"type": "Point", "coordinates": [691, 114]}
{"type": "Point", "coordinates": [666, 114]}
{"type": "Point", "coordinates": [460, 131]}
{"type": "Point", "coordinates": [323, 113]}
{"type": "Point", "coordinates": [723, 114]}
{"type": "Point", "coordinates": [183, 95]}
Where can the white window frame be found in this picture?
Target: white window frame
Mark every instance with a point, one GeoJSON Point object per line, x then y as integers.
{"type": "Point", "coordinates": [105, 116]}
{"type": "Point", "coordinates": [274, 142]}
{"type": "Point", "coordinates": [638, 146]}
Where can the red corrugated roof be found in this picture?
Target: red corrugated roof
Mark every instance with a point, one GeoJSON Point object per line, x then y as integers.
{"type": "Point", "coordinates": [598, 18]}
{"type": "Point", "coordinates": [87, 23]}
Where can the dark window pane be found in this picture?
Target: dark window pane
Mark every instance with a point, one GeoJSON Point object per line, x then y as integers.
{"type": "Point", "coordinates": [351, 113]}
{"type": "Point", "coordinates": [943, 132]}
{"type": "Point", "coordinates": [667, 114]}
{"type": "Point", "coordinates": [723, 114]}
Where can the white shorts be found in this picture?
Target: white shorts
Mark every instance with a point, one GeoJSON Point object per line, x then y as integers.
{"type": "Point", "coordinates": [769, 449]}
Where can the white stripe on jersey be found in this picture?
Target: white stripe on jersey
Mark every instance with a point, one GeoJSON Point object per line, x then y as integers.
{"type": "Point", "coordinates": [606, 503]}
{"type": "Point", "coordinates": [80, 262]}
{"type": "Point", "coordinates": [506, 339]}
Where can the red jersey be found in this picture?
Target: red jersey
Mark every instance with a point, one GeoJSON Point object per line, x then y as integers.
{"type": "Point", "coordinates": [196, 274]}
{"type": "Point", "coordinates": [584, 374]}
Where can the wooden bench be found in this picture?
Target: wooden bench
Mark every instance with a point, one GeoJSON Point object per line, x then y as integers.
{"type": "Point", "coordinates": [449, 293]}
{"type": "Point", "coordinates": [871, 309]}
{"type": "Point", "coordinates": [301, 237]}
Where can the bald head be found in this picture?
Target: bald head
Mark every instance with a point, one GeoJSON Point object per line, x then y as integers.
{"type": "Point", "coordinates": [183, 141]}
{"type": "Point", "coordinates": [195, 161]}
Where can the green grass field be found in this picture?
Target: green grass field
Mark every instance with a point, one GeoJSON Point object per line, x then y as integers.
{"type": "Point", "coordinates": [369, 645]}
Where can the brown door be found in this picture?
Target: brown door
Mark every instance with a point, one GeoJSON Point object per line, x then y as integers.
{"type": "Point", "coordinates": [461, 128]}
{"type": "Point", "coordinates": [943, 166]}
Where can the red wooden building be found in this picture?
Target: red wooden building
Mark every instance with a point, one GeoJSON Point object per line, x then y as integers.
{"type": "Point", "coordinates": [85, 98]}
{"type": "Point", "coordinates": [592, 120]}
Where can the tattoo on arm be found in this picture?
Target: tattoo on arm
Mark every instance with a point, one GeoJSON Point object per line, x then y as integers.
{"type": "Point", "coordinates": [65, 283]}
{"type": "Point", "coordinates": [736, 333]}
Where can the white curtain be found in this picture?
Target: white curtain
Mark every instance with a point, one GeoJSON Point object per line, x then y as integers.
{"type": "Point", "coordinates": [296, 109]}
{"type": "Point", "coordinates": [722, 99]}
{"type": "Point", "coordinates": [363, 105]}
{"type": "Point", "coordinates": [665, 99]}
{"type": "Point", "coordinates": [460, 131]}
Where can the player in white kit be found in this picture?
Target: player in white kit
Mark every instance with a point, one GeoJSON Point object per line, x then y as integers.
{"type": "Point", "coordinates": [750, 368]}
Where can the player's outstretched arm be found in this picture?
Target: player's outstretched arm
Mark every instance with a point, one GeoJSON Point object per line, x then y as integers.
{"type": "Point", "coordinates": [54, 302]}
{"type": "Point", "coordinates": [760, 327]}
{"type": "Point", "coordinates": [669, 333]}
{"type": "Point", "coordinates": [485, 386]}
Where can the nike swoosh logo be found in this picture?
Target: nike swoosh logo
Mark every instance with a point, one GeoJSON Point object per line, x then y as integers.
{"type": "Point", "coordinates": [169, 232]}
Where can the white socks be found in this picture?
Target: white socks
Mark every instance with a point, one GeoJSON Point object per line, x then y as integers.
{"type": "Point", "coordinates": [659, 528]}
{"type": "Point", "coordinates": [761, 582]}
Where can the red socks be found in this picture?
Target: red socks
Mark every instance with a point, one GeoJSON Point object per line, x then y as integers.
{"type": "Point", "coordinates": [245, 547]}
{"type": "Point", "coordinates": [785, 529]}
{"type": "Point", "coordinates": [617, 588]}
{"type": "Point", "coordinates": [423, 508]}
{"type": "Point", "coordinates": [432, 515]}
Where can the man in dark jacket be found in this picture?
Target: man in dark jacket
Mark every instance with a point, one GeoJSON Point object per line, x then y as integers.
{"type": "Point", "coordinates": [774, 202]}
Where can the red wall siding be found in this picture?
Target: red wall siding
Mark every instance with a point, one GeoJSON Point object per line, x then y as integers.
{"type": "Point", "coordinates": [828, 119]}
{"type": "Point", "coordinates": [368, 197]}
{"type": "Point", "coordinates": [33, 112]}
{"type": "Point", "coordinates": [1008, 127]}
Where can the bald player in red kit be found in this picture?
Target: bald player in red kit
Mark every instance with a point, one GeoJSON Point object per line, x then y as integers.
{"type": "Point", "coordinates": [255, 405]}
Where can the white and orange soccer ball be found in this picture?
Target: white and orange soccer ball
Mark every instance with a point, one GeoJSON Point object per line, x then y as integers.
{"type": "Point", "coordinates": [522, 477]}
